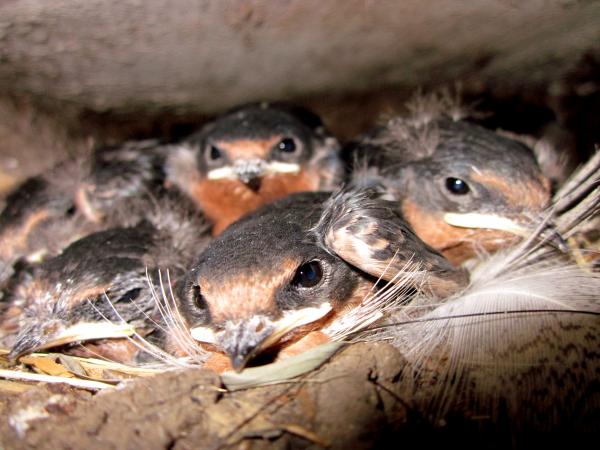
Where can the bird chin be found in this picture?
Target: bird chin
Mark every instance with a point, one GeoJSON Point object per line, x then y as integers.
{"type": "Point", "coordinates": [489, 221]}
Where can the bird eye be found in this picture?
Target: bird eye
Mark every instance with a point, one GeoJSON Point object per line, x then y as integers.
{"type": "Point", "coordinates": [71, 211]}
{"type": "Point", "coordinates": [287, 145]}
{"type": "Point", "coordinates": [198, 298]}
{"type": "Point", "coordinates": [214, 153]}
{"type": "Point", "coordinates": [131, 295]}
{"type": "Point", "coordinates": [308, 275]}
{"type": "Point", "coordinates": [457, 186]}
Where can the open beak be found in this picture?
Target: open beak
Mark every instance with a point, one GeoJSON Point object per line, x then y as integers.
{"type": "Point", "coordinates": [250, 172]}
{"type": "Point", "coordinates": [245, 339]}
{"type": "Point", "coordinates": [35, 338]}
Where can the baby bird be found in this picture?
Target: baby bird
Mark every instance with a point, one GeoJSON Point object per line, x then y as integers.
{"type": "Point", "coordinates": [275, 280]}
{"type": "Point", "coordinates": [119, 174]}
{"type": "Point", "coordinates": [463, 189]}
{"type": "Point", "coordinates": [518, 347]}
{"type": "Point", "coordinates": [23, 222]}
{"type": "Point", "coordinates": [248, 157]}
{"type": "Point", "coordinates": [253, 155]}
{"type": "Point", "coordinates": [101, 280]}
{"type": "Point", "coordinates": [75, 198]}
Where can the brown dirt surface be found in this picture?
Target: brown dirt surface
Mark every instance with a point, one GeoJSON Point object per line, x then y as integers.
{"type": "Point", "coordinates": [188, 409]}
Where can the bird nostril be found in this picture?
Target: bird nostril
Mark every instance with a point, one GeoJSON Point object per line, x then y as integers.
{"type": "Point", "coordinates": [259, 327]}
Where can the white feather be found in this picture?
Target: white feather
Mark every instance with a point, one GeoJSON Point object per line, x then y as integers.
{"type": "Point", "coordinates": [523, 337]}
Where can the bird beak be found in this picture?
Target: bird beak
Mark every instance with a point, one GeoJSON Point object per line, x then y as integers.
{"type": "Point", "coordinates": [251, 171]}
{"type": "Point", "coordinates": [245, 339]}
{"type": "Point", "coordinates": [82, 201]}
{"type": "Point", "coordinates": [494, 222]}
{"type": "Point", "coordinates": [490, 221]}
{"type": "Point", "coordinates": [40, 338]}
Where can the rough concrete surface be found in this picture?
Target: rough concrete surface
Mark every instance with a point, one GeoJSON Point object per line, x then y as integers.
{"type": "Point", "coordinates": [209, 55]}
{"type": "Point", "coordinates": [75, 71]}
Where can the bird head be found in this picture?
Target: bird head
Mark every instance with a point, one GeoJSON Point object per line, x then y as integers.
{"type": "Point", "coordinates": [56, 315]}
{"type": "Point", "coordinates": [472, 190]}
{"type": "Point", "coordinates": [253, 155]}
{"type": "Point", "coordinates": [293, 267]}
{"type": "Point", "coordinates": [85, 293]}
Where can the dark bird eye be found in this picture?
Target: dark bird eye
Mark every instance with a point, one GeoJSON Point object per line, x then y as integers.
{"type": "Point", "coordinates": [308, 275]}
{"type": "Point", "coordinates": [131, 295]}
{"type": "Point", "coordinates": [198, 298]}
{"type": "Point", "coordinates": [214, 153]}
{"type": "Point", "coordinates": [457, 186]}
{"type": "Point", "coordinates": [287, 145]}
{"type": "Point", "coordinates": [71, 211]}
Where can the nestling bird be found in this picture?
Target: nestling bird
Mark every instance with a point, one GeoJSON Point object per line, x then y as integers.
{"type": "Point", "coordinates": [518, 347]}
{"type": "Point", "coordinates": [275, 280]}
{"type": "Point", "coordinates": [75, 198]}
{"type": "Point", "coordinates": [101, 280]}
{"type": "Point", "coordinates": [252, 155]}
{"type": "Point", "coordinates": [269, 150]}
{"type": "Point", "coordinates": [465, 190]}
{"type": "Point", "coordinates": [514, 350]}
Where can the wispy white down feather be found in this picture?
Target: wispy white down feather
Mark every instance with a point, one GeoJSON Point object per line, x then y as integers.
{"type": "Point", "coordinates": [522, 337]}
